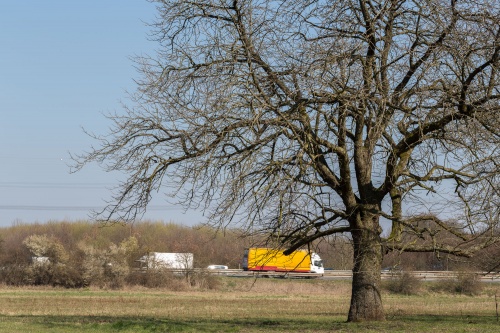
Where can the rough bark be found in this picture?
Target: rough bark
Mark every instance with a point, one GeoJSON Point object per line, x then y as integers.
{"type": "Point", "coordinates": [366, 300]}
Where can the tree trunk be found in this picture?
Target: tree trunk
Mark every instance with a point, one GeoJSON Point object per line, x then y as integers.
{"type": "Point", "coordinates": [366, 301]}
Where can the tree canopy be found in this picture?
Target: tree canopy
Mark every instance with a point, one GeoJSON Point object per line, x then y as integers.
{"type": "Point", "coordinates": [302, 119]}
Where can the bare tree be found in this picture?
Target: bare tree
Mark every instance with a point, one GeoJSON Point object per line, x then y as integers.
{"type": "Point", "coordinates": [302, 119]}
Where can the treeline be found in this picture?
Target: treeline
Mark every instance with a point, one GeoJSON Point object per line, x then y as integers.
{"type": "Point", "coordinates": [77, 254]}
{"type": "Point", "coordinates": [208, 245]}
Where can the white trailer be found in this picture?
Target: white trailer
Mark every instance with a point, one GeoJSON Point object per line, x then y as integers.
{"type": "Point", "coordinates": [162, 260]}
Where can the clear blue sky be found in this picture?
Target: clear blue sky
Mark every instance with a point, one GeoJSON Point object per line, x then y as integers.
{"type": "Point", "coordinates": [62, 65]}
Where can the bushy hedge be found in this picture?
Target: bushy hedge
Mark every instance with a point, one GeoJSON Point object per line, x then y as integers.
{"type": "Point", "coordinates": [88, 265]}
{"type": "Point", "coordinates": [68, 276]}
{"type": "Point", "coordinates": [82, 254]}
{"type": "Point", "coordinates": [465, 283]}
{"type": "Point", "coordinates": [106, 267]}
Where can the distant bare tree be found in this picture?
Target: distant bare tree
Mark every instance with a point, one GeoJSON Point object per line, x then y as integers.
{"type": "Point", "coordinates": [336, 252]}
{"type": "Point", "coordinates": [304, 119]}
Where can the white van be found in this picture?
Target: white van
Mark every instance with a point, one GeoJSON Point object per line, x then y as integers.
{"type": "Point", "coordinates": [217, 267]}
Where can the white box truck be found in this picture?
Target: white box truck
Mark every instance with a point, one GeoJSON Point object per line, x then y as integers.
{"type": "Point", "coordinates": [163, 260]}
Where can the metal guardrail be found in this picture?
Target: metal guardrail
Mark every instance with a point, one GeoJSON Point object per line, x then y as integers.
{"type": "Point", "coordinates": [342, 274]}
{"type": "Point", "coordinates": [347, 274]}
{"type": "Point", "coordinates": [424, 275]}
{"type": "Point", "coordinates": [443, 275]}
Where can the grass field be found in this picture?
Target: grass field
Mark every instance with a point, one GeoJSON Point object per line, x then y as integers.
{"type": "Point", "coordinates": [239, 305]}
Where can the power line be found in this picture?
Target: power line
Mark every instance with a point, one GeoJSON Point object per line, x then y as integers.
{"type": "Point", "coordinates": [56, 185]}
{"type": "Point", "coordinates": [40, 208]}
{"type": "Point", "coordinates": [74, 208]}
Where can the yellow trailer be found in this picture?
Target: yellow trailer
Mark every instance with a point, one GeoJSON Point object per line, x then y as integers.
{"type": "Point", "coordinates": [273, 260]}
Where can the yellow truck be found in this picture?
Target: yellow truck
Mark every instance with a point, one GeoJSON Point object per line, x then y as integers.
{"type": "Point", "coordinates": [273, 260]}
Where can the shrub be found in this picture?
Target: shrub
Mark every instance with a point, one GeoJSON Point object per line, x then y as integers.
{"type": "Point", "coordinates": [106, 268]}
{"type": "Point", "coordinates": [404, 283]}
{"type": "Point", "coordinates": [14, 275]}
{"type": "Point", "coordinates": [44, 246]}
{"type": "Point", "coordinates": [203, 280]}
{"type": "Point", "coordinates": [468, 283]}
{"type": "Point", "coordinates": [56, 275]}
{"type": "Point", "coordinates": [67, 277]}
{"type": "Point", "coordinates": [38, 274]}
{"type": "Point", "coordinates": [465, 283]}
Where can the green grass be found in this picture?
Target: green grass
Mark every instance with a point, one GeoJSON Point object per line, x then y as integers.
{"type": "Point", "coordinates": [266, 306]}
{"type": "Point", "coordinates": [56, 324]}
